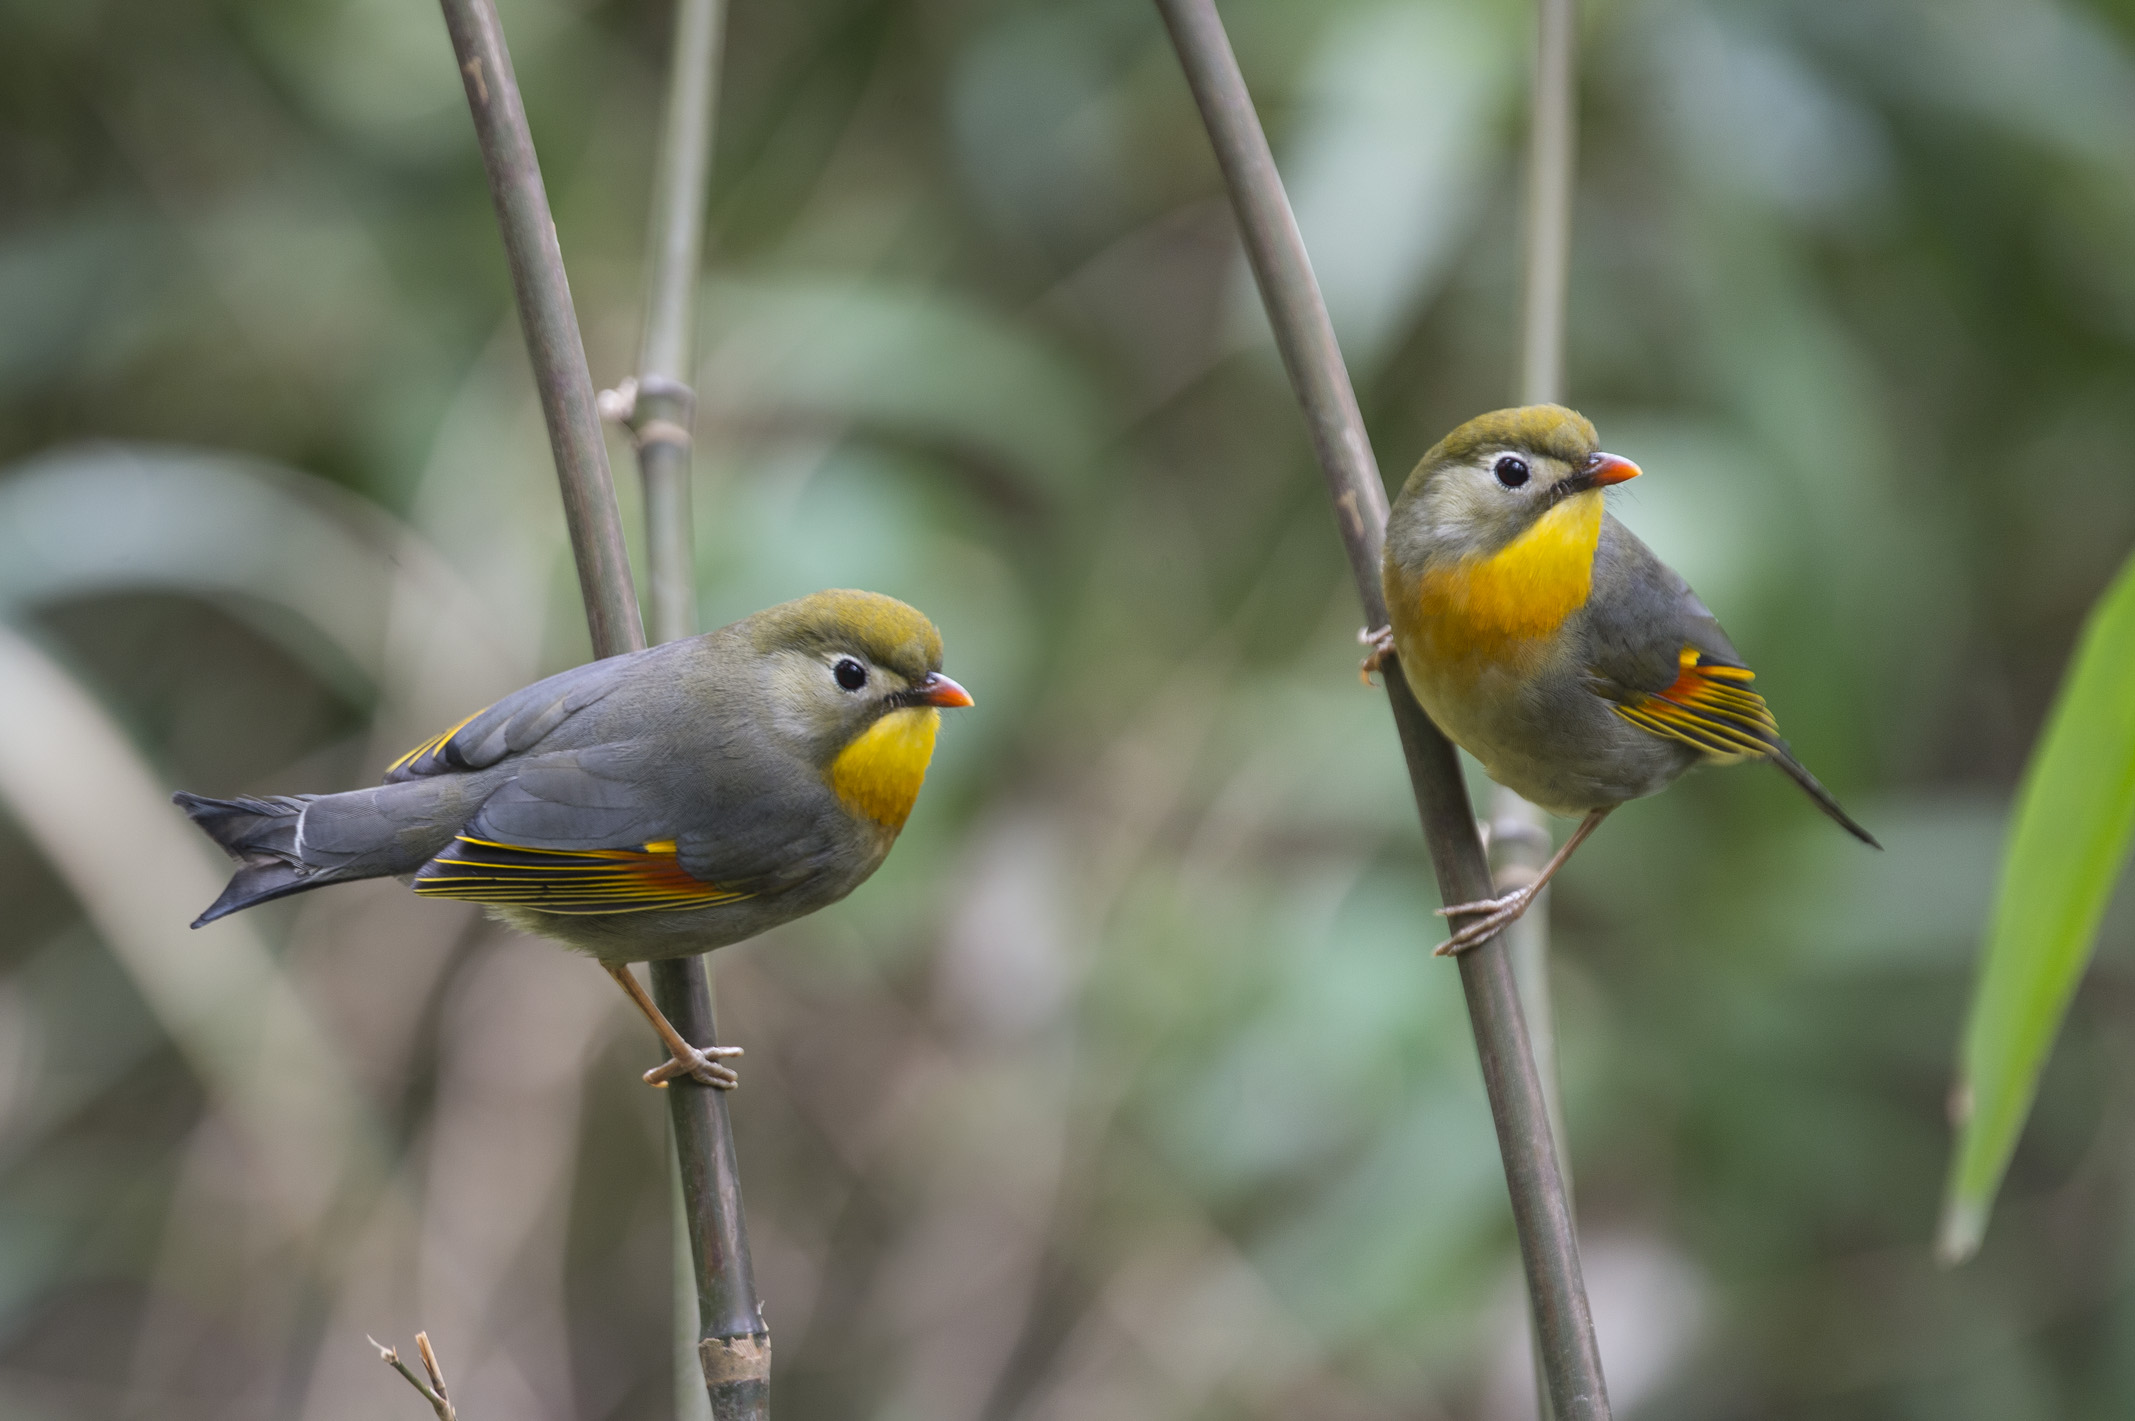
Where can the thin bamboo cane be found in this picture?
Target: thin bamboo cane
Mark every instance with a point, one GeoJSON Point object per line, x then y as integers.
{"type": "Point", "coordinates": [1552, 155]}
{"type": "Point", "coordinates": [1519, 830]}
{"type": "Point", "coordinates": [1305, 337]}
{"type": "Point", "coordinates": [568, 404]}
{"type": "Point", "coordinates": [558, 354]}
{"type": "Point", "coordinates": [733, 1345]}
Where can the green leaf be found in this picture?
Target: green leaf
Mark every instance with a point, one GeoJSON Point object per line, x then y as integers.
{"type": "Point", "coordinates": [2075, 816]}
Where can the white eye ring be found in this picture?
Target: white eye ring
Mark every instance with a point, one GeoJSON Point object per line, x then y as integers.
{"type": "Point", "coordinates": [1511, 470]}
{"type": "Point", "coordinates": [849, 674]}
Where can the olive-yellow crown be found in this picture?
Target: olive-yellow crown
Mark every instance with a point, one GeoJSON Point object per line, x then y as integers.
{"type": "Point", "coordinates": [893, 635]}
{"type": "Point", "coordinates": [1549, 430]}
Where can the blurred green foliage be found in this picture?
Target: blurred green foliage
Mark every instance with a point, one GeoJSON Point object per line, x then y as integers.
{"type": "Point", "coordinates": [2068, 847]}
{"type": "Point", "coordinates": [1126, 1089]}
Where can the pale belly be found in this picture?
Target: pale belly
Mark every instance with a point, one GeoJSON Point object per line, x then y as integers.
{"type": "Point", "coordinates": [1536, 729]}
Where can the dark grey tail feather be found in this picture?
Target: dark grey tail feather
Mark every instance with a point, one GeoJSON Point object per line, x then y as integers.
{"type": "Point", "coordinates": [261, 834]}
{"type": "Point", "coordinates": [1786, 761]}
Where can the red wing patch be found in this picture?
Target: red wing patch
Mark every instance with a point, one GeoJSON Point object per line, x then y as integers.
{"type": "Point", "coordinates": [640, 880]}
{"type": "Point", "coordinates": [1710, 708]}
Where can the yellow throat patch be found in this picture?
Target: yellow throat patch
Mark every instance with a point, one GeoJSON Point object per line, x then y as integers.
{"type": "Point", "coordinates": [1490, 608]}
{"type": "Point", "coordinates": [880, 773]}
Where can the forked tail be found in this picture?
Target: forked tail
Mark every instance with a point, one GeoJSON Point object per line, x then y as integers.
{"type": "Point", "coordinates": [1822, 796]}
{"type": "Point", "coordinates": [261, 834]}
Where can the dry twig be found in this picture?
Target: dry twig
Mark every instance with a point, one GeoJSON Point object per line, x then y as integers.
{"type": "Point", "coordinates": [434, 1389]}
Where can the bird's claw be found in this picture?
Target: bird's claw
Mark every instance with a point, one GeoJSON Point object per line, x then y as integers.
{"type": "Point", "coordinates": [701, 1066]}
{"type": "Point", "coordinates": [1497, 914]}
{"type": "Point", "coordinates": [1381, 642]}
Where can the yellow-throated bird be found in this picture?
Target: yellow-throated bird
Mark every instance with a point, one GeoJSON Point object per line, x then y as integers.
{"type": "Point", "coordinates": [652, 805]}
{"type": "Point", "coordinates": [1547, 641]}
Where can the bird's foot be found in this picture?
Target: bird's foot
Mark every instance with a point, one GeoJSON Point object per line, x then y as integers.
{"type": "Point", "coordinates": [1496, 915]}
{"type": "Point", "coordinates": [700, 1064]}
{"type": "Point", "coordinates": [1381, 642]}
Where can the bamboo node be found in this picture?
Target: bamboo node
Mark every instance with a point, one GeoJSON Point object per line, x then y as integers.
{"type": "Point", "coordinates": [621, 405]}
{"type": "Point", "coordinates": [661, 431]}
{"type": "Point", "coordinates": [728, 1360]}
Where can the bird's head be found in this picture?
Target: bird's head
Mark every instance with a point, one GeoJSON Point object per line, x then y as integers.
{"type": "Point", "coordinates": [855, 679]}
{"type": "Point", "coordinates": [1490, 480]}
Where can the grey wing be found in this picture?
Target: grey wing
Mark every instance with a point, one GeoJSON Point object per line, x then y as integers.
{"type": "Point", "coordinates": [727, 824]}
{"type": "Point", "coordinates": [603, 797]}
{"type": "Point", "coordinates": [1655, 652]}
{"type": "Point", "coordinates": [1641, 618]}
{"type": "Point", "coordinates": [778, 848]}
{"type": "Point", "coordinates": [762, 816]}
{"type": "Point", "coordinates": [615, 828]}
{"type": "Point", "coordinates": [514, 725]}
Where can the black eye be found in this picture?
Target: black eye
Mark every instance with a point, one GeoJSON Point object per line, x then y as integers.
{"type": "Point", "coordinates": [1511, 472]}
{"type": "Point", "coordinates": [850, 673]}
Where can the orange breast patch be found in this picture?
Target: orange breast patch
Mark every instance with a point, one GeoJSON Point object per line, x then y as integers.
{"type": "Point", "coordinates": [1500, 607]}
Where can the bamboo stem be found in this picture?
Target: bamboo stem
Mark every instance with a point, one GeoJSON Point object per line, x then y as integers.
{"type": "Point", "coordinates": [664, 403]}
{"type": "Point", "coordinates": [1520, 831]}
{"type": "Point", "coordinates": [1552, 153]}
{"type": "Point", "coordinates": [558, 354]}
{"type": "Point", "coordinates": [1305, 337]}
{"type": "Point", "coordinates": [732, 1349]}
{"type": "Point", "coordinates": [733, 1352]}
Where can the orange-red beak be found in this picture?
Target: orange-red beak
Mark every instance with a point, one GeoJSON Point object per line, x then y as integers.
{"type": "Point", "coordinates": [935, 689]}
{"type": "Point", "coordinates": [1604, 469]}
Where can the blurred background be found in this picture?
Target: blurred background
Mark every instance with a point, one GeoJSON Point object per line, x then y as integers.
{"type": "Point", "coordinates": [1128, 1090]}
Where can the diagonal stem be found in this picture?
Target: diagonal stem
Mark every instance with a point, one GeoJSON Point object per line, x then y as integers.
{"type": "Point", "coordinates": [1541, 1212]}
{"type": "Point", "coordinates": [553, 344]}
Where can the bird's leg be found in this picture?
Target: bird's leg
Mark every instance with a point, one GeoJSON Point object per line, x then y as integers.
{"type": "Point", "coordinates": [1497, 913]}
{"type": "Point", "coordinates": [1381, 642]}
{"type": "Point", "coordinates": [684, 1059]}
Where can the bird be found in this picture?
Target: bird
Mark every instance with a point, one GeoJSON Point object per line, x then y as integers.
{"type": "Point", "coordinates": [1551, 644]}
{"type": "Point", "coordinates": [652, 805]}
